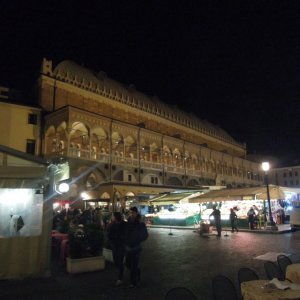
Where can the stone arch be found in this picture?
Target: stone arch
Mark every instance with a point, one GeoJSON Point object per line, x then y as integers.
{"type": "Point", "coordinates": [105, 196]}
{"type": "Point", "coordinates": [155, 153]}
{"type": "Point", "coordinates": [51, 139]}
{"type": "Point", "coordinates": [117, 141]}
{"type": "Point", "coordinates": [94, 178]}
{"type": "Point", "coordinates": [188, 159]}
{"type": "Point", "coordinates": [118, 175]}
{"type": "Point", "coordinates": [80, 136]}
{"type": "Point", "coordinates": [177, 157]}
{"type": "Point", "coordinates": [174, 181]}
{"type": "Point", "coordinates": [194, 161]}
{"type": "Point", "coordinates": [130, 147]}
{"type": "Point", "coordinates": [192, 182]}
{"type": "Point", "coordinates": [167, 155]}
{"type": "Point", "coordinates": [99, 140]}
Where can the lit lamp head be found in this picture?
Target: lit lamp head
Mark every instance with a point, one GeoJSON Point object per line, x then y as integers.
{"type": "Point", "coordinates": [265, 166]}
{"type": "Point", "coordinates": [63, 187]}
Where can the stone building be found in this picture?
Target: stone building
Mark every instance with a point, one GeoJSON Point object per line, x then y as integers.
{"type": "Point", "coordinates": [20, 125]}
{"type": "Point", "coordinates": [287, 176]}
{"type": "Point", "coordinates": [120, 142]}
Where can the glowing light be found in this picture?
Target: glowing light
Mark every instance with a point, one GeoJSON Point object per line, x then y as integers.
{"type": "Point", "coordinates": [84, 195]}
{"type": "Point", "coordinates": [265, 166]}
{"type": "Point", "coordinates": [63, 187]}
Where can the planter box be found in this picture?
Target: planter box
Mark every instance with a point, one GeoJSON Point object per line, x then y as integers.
{"type": "Point", "coordinates": [82, 265]}
{"type": "Point", "coordinates": [107, 253]}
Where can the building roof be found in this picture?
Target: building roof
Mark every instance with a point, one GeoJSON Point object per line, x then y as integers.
{"type": "Point", "coordinates": [99, 82]}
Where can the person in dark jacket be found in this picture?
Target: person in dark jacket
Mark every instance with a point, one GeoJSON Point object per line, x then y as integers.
{"type": "Point", "coordinates": [116, 236]}
{"type": "Point", "coordinates": [136, 233]}
{"type": "Point", "coordinates": [233, 218]}
{"type": "Point", "coordinates": [217, 217]}
{"type": "Point", "coordinates": [251, 217]}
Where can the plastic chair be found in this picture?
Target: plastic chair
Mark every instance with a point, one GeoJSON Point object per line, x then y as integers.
{"type": "Point", "coordinates": [180, 293]}
{"type": "Point", "coordinates": [223, 288]}
{"type": "Point", "coordinates": [246, 274]}
{"type": "Point", "coordinates": [273, 271]}
{"type": "Point", "coordinates": [283, 261]}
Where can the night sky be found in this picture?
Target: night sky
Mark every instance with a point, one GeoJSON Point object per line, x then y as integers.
{"type": "Point", "coordinates": [233, 63]}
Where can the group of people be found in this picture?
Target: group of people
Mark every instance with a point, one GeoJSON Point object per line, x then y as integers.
{"type": "Point", "coordinates": [217, 218]}
{"type": "Point", "coordinates": [126, 239]}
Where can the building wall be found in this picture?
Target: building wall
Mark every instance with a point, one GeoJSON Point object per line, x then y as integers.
{"type": "Point", "coordinates": [70, 84]}
{"type": "Point", "coordinates": [115, 134]}
{"type": "Point", "coordinates": [289, 176]}
{"type": "Point", "coordinates": [15, 129]}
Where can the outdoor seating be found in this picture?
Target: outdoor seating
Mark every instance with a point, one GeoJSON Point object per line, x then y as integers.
{"type": "Point", "coordinates": [283, 261]}
{"type": "Point", "coordinates": [179, 293]}
{"type": "Point", "coordinates": [223, 288]}
{"type": "Point", "coordinates": [246, 274]}
{"type": "Point", "coordinates": [273, 271]}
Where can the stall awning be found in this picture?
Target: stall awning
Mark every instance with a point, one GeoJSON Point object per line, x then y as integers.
{"type": "Point", "coordinates": [251, 193]}
{"type": "Point", "coordinates": [171, 198]}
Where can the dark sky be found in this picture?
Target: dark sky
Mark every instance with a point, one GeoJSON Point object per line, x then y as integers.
{"type": "Point", "coordinates": [233, 63]}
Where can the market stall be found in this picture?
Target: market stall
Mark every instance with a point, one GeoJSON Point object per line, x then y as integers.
{"type": "Point", "coordinates": [241, 200]}
{"type": "Point", "coordinates": [25, 215]}
{"type": "Point", "coordinates": [174, 209]}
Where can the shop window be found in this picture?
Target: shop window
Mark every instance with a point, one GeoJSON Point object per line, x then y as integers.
{"type": "Point", "coordinates": [30, 147]}
{"type": "Point", "coordinates": [32, 119]}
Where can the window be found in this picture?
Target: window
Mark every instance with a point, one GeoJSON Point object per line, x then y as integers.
{"type": "Point", "coordinates": [297, 182]}
{"type": "Point", "coordinates": [291, 174]}
{"type": "Point", "coordinates": [291, 182]}
{"type": "Point", "coordinates": [285, 183]}
{"type": "Point", "coordinates": [154, 180]}
{"type": "Point", "coordinates": [284, 175]}
{"type": "Point", "coordinates": [296, 173]}
{"type": "Point", "coordinates": [32, 119]}
{"type": "Point", "coordinates": [30, 147]}
{"type": "Point", "coordinates": [129, 177]}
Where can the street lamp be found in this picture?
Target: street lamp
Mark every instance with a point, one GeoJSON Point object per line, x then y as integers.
{"type": "Point", "coordinates": [266, 167]}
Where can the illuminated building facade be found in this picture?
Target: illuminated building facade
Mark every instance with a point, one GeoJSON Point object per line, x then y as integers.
{"type": "Point", "coordinates": [20, 124]}
{"type": "Point", "coordinates": [287, 176]}
{"type": "Point", "coordinates": [119, 141]}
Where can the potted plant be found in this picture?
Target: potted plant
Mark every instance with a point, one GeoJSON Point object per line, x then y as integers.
{"type": "Point", "coordinates": [85, 249]}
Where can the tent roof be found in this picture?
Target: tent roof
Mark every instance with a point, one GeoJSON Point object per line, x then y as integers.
{"type": "Point", "coordinates": [276, 192]}
{"type": "Point", "coordinates": [171, 198]}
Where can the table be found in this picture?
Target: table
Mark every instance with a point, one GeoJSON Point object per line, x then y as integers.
{"type": "Point", "coordinates": [256, 290]}
{"type": "Point", "coordinates": [293, 273]}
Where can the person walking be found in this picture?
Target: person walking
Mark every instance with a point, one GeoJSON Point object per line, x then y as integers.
{"type": "Point", "coordinates": [136, 233]}
{"type": "Point", "coordinates": [251, 217]}
{"type": "Point", "coordinates": [233, 218]}
{"type": "Point", "coordinates": [116, 236]}
{"type": "Point", "coordinates": [217, 217]}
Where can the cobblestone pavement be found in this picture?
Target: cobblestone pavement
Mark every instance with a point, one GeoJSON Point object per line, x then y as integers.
{"type": "Point", "coordinates": [182, 259]}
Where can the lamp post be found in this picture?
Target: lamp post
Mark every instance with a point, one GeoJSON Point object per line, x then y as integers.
{"type": "Point", "coordinates": [266, 167]}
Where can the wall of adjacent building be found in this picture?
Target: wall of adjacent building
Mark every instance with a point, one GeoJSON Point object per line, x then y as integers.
{"type": "Point", "coordinates": [15, 129]}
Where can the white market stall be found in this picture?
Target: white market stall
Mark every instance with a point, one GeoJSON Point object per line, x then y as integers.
{"type": "Point", "coordinates": [241, 199]}
{"type": "Point", "coordinates": [25, 216]}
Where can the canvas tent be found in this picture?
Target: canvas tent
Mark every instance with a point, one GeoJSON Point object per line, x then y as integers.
{"type": "Point", "coordinates": [250, 193]}
{"type": "Point", "coordinates": [25, 251]}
